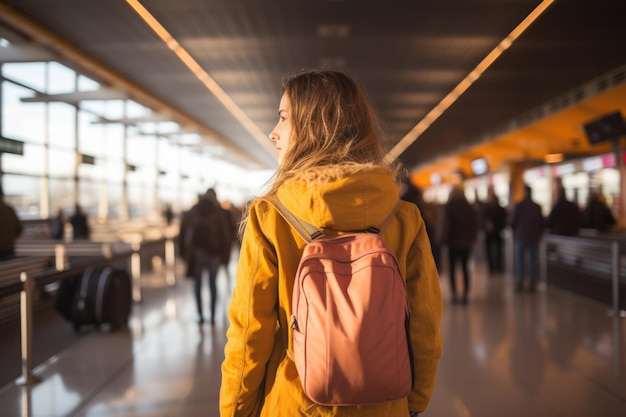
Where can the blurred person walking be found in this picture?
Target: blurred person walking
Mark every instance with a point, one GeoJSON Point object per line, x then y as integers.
{"type": "Point", "coordinates": [597, 215]}
{"type": "Point", "coordinates": [168, 214]}
{"type": "Point", "coordinates": [565, 218]}
{"type": "Point", "coordinates": [57, 224]}
{"type": "Point", "coordinates": [10, 228]}
{"type": "Point", "coordinates": [205, 242]}
{"type": "Point", "coordinates": [458, 231]}
{"type": "Point", "coordinates": [527, 223]}
{"type": "Point", "coordinates": [494, 222]}
{"type": "Point", "coordinates": [235, 213]}
{"type": "Point", "coordinates": [80, 224]}
{"type": "Point", "coordinates": [413, 194]}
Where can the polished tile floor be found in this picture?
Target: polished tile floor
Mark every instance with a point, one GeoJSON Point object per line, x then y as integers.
{"type": "Point", "coordinates": [506, 354]}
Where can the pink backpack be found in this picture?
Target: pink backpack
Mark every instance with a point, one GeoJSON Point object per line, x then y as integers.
{"type": "Point", "coordinates": [349, 317]}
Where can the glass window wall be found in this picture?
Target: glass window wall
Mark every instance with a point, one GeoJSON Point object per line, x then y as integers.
{"type": "Point", "coordinates": [61, 130]}
{"type": "Point", "coordinates": [29, 74]}
{"type": "Point", "coordinates": [21, 121]}
{"type": "Point", "coordinates": [79, 154]}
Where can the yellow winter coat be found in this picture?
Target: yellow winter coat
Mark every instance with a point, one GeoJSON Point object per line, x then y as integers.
{"type": "Point", "coordinates": [258, 377]}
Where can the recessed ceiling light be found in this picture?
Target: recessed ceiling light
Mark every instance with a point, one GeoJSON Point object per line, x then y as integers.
{"type": "Point", "coordinates": [553, 158]}
{"type": "Point", "coordinates": [460, 88]}
{"type": "Point", "coordinates": [333, 31]}
{"type": "Point", "coordinates": [337, 62]}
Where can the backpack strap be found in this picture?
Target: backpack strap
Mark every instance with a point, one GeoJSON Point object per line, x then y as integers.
{"type": "Point", "coordinates": [306, 230]}
{"type": "Point", "coordinates": [309, 232]}
{"type": "Point", "coordinates": [387, 220]}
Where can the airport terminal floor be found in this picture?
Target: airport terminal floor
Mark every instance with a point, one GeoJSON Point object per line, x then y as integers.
{"type": "Point", "coordinates": [506, 354]}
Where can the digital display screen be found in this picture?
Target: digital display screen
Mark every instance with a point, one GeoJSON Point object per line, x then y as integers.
{"type": "Point", "coordinates": [606, 128]}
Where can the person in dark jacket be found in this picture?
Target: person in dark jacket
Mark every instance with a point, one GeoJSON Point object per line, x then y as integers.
{"type": "Point", "coordinates": [494, 222]}
{"type": "Point", "coordinates": [57, 224]}
{"type": "Point", "coordinates": [565, 218]}
{"type": "Point", "coordinates": [413, 194]}
{"type": "Point", "coordinates": [10, 229]}
{"type": "Point", "coordinates": [597, 215]}
{"type": "Point", "coordinates": [236, 214]}
{"type": "Point", "coordinates": [458, 230]}
{"type": "Point", "coordinates": [205, 242]}
{"type": "Point", "coordinates": [168, 214]}
{"type": "Point", "coordinates": [80, 225]}
{"type": "Point", "coordinates": [527, 223]}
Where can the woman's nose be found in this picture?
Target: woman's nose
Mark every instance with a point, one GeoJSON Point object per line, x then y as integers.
{"type": "Point", "coordinates": [273, 136]}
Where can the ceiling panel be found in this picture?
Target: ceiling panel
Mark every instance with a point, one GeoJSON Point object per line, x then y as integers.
{"type": "Point", "coordinates": [408, 55]}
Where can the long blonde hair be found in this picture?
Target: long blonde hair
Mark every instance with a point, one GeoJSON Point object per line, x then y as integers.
{"type": "Point", "coordinates": [333, 123]}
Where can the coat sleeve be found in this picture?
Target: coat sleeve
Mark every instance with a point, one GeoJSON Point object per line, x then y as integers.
{"type": "Point", "coordinates": [425, 304]}
{"type": "Point", "coordinates": [253, 316]}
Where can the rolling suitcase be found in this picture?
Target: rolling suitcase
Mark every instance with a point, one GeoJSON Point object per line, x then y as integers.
{"type": "Point", "coordinates": [103, 297]}
{"type": "Point", "coordinates": [65, 297]}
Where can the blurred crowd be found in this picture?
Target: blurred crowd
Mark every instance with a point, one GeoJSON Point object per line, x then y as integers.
{"type": "Point", "coordinates": [456, 226]}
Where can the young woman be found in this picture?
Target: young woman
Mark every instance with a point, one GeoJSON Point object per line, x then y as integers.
{"type": "Point", "coordinates": [331, 174]}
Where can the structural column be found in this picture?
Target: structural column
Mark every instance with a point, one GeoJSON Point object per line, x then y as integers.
{"type": "Point", "coordinates": [516, 182]}
{"type": "Point", "coordinates": [621, 202]}
{"type": "Point", "coordinates": [123, 210]}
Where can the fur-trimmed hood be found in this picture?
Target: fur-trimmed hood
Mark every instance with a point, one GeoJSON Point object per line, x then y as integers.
{"type": "Point", "coordinates": [343, 198]}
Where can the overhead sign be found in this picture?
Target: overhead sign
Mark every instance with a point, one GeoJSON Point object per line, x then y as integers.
{"type": "Point", "coordinates": [88, 159]}
{"type": "Point", "coordinates": [609, 127]}
{"type": "Point", "coordinates": [11, 146]}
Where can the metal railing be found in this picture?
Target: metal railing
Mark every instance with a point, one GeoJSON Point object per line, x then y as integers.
{"type": "Point", "coordinates": [598, 256]}
{"type": "Point", "coordinates": [28, 284]}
